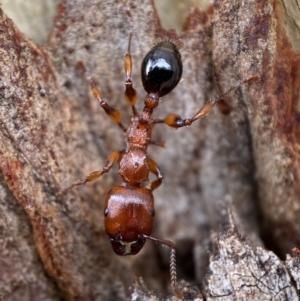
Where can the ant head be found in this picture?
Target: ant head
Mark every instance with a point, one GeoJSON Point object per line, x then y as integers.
{"type": "Point", "coordinates": [129, 216]}
{"type": "Point", "coordinates": [161, 68]}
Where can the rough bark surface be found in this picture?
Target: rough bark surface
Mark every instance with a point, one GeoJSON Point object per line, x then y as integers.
{"type": "Point", "coordinates": [231, 181]}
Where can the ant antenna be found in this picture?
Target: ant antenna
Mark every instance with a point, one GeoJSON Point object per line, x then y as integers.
{"type": "Point", "coordinates": [173, 271]}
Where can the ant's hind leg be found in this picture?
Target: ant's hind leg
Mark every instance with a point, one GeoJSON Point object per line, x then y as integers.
{"type": "Point", "coordinates": [111, 112]}
{"type": "Point", "coordinates": [111, 160]}
{"type": "Point", "coordinates": [130, 93]}
{"type": "Point", "coordinates": [155, 169]}
{"type": "Point", "coordinates": [175, 121]}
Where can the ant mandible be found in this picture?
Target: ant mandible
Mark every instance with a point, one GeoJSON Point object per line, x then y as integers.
{"type": "Point", "coordinates": [129, 208]}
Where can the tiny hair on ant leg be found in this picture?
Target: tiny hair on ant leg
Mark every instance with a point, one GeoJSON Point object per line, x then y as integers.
{"type": "Point", "coordinates": [129, 207]}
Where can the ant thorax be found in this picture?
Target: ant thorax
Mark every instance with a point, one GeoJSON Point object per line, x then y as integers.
{"type": "Point", "coordinates": [138, 134]}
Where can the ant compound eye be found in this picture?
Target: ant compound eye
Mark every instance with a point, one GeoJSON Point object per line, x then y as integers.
{"type": "Point", "coordinates": [105, 212]}
{"type": "Point", "coordinates": [161, 68]}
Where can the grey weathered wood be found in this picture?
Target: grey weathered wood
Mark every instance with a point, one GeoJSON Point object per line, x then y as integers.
{"type": "Point", "coordinates": [228, 178]}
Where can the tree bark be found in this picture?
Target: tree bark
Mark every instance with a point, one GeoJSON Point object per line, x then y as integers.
{"type": "Point", "coordinates": [231, 180]}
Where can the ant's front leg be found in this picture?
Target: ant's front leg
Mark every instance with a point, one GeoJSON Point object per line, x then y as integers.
{"type": "Point", "coordinates": [111, 160]}
{"type": "Point", "coordinates": [175, 121]}
{"type": "Point", "coordinates": [154, 169]}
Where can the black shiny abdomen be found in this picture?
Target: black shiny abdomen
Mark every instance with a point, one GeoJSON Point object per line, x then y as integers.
{"type": "Point", "coordinates": [161, 68]}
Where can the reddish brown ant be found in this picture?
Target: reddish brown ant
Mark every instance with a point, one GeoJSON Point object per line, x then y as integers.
{"type": "Point", "coordinates": [129, 208]}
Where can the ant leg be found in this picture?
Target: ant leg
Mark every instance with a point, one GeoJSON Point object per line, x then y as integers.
{"type": "Point", "coordinates": [173, 266]}
{"type": "Point", "coordinates": [111, 160]}
{"type": "Point", "coordinates": [130, 93]}
{"type": "Point", "coordinates": [155, 169]}
{"type": "Point", "coordinates": [112, 113]}
{"type": "Point", "coordinates": [175, 121]}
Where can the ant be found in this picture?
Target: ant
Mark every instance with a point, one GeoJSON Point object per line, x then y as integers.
{"type": "Point", "coordinates": [129, 207]}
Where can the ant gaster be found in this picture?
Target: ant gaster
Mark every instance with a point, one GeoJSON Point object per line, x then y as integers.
{"type": "Point", "coordinates": [129, 208]}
